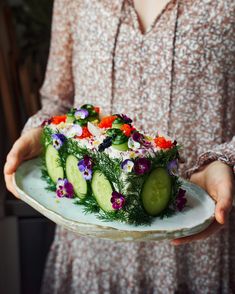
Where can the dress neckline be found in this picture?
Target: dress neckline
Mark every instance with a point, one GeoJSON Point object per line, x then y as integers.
{"type": "Point", "coordinates": [137, 19]}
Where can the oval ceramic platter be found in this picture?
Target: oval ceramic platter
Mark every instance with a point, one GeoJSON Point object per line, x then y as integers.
{"type": "Point", "coordinates": [198, 214]}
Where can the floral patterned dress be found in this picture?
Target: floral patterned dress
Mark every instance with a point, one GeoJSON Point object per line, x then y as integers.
{"type": "Point", "coordinates": [178, 77]}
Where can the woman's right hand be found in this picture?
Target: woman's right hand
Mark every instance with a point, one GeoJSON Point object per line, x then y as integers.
{"type": "Point", "coordinates": [26, 147]}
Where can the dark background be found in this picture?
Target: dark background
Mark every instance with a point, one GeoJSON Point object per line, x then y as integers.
{"type": "Point", "coordinates": [25, 235]}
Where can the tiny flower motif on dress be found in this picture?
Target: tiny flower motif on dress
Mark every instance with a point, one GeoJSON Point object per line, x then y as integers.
{"type": "Point", "coordinates": [127, 165]}
{"type": "Point", "coordinates": [81, 113]}
{"type": "Point", "coordinates": [85, 167]}
{"type": "Point", "coordinates": [117, 200]}
{"type": "Point", "coordinates": [172, 167]}
{"type": "Point", "coordinates": [181, 200]}
{"type": "Point", "coordinates": [64, 188]}
{"type": "Point", "coordinates": [58, 140]}
{"type": "Point", "coordinates": [142, 166]}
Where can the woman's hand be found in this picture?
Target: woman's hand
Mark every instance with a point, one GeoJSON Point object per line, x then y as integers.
{"type": "Point", "coordinates": [218, 180]}
{"type": "Point", "coordinates": [26, 147]}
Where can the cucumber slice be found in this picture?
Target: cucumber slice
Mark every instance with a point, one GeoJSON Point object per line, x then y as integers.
{"type": "Point", "coordinates": [52, 158]}
{"type": "Point", "coordinates": [156, 191]}
{"type": "Point", "coordinates": [102, 190]}
{"type": "Point", "coordinates": [75, 177]}
{"type": "Point", "coordinates": [121, 147]}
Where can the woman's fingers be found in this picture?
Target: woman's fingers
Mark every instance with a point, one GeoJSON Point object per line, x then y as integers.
{"type": "Point", "coordinates": [224, 203]}
{"type": "Point", "coordinates": [214, 227]}
{"type": "Point", "coordinates": [9, 184]}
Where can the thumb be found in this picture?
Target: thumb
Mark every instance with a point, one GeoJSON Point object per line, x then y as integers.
{"type": "Point", "coordinates": [15, 156]}
{"type": "Point", "coordinates": [224, 203]}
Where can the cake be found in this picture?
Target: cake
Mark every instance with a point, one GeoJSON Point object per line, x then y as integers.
{"type": "Point", "coordinates": [110, 167]}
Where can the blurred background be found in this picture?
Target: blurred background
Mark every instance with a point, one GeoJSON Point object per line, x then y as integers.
{"type": "Point", "coordinates": [25, 235]}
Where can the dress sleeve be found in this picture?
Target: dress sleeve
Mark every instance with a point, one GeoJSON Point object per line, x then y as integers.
{"type": "Point", "coordinates": [57, 91]}
{"type": "Point", "coordinates": [223, 152]}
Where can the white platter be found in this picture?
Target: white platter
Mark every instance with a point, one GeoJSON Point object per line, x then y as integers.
{"type": "Point", "coordinates": [197, 216]}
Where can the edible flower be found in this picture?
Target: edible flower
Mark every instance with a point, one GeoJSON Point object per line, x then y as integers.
{"type": "Point", "coordinates": [125, 118]}
{"type": "Point", "coordinates": [127, 165]}
{"type": "Point", "coordinates": [117, 200]}
{"type": "Point", "coordinates": [172, 167]}
{"type": "Point", "coordinates": [64, 188]}
{"type": "Point", "coordinates": [181, 200]}
{"type": "Point", "coordinates": [106, 122]}
{"type": "Point", "coordinates": [85, 167]}
{"type": "Point", "coordinates": [73, 130]}
{"type": "Point", "coordinates": [137, 137]}
{"type": "Point", "coordinates": [85, 133]}
{"type": "Point", "coordinates": [142, 166]}
{"type": "Point", "coordinates": [127, 129]}
{"type": "Point", "coordinates": [133, 144]}
{"type": "Point", "coordinates": [58, 140]}
{"type": "Point", "coordinates": [81, 113]}
{"type": "Point", "coordinates": [58, 119]}
{"type": "Point", "coordinates": [162, 143]}
{"type": "Point", "coordinates": [46, 122]}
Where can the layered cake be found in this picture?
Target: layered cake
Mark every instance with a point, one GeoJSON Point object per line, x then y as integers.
{"type": "Point", "coordinates": [110, 167]}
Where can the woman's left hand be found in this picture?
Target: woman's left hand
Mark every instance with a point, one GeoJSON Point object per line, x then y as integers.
{"type": "Point", "coordinates": [218, 180]}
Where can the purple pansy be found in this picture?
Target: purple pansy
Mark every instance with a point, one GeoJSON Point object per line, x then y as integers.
{"type": "Point", "coordinates": [142, 166]}
{"type": "Point", "coordinates": [127, 165]}
{"type": "Point", "coordinates": [64, 188]}
{"type": "Point", "coordinates": [58, 140]}
{"type": "Point", "coordinates": [81, 113]}
{"type": "Point", "coordinates": [172, 167]}
{"type": "Point", "coordinates": [46, 122]}
{"type": "Point", "coordinates": [125, 118]}
{"type": "Point", "coordinates": [85, 167]}
{"type": "Point", "coordinates": [181, 200]}
{"type": "Point", "coordinates": [137, 137]}
{"type": "Point", "coordinates": [117, 200]}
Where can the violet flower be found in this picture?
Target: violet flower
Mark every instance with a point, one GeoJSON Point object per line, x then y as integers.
{"type": "Point", "coordinates": [142, 166]}
{"type": "Point", "coordinates": [117, 200]}
{"type": "Point", "coordinates": [181, 200]}
{"type": "Point", "coordinates": [64, 188]}
{"type": "Point", "coordinates": [81, 113]}
{"type": "Point", "coordinates": [125, 118]}
{"type": "Point", "coordinates": [137, 137]}
{"type": "Point", "coordinates": [58, 140]}
{"type": "Point", "coordinates": [127, 165]}
{"type": "Point", "coordinates": [46, 122]}
{"type": "Point", "coordinates": [172, 167]}
{"type": "Point", "coordinates": [85, 167]}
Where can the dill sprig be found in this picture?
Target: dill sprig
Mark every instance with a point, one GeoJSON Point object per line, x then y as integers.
{"type": "Point", "coordinates": [51, 186]}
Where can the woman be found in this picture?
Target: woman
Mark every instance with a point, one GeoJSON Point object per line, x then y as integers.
{"type": "Point", "coordinates": [169, 65]}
